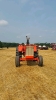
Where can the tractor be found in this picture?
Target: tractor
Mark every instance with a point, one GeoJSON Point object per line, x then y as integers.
{"type": "Point", "coordinates": [44, 47]}
{"type": "Point", "coordinates": [27, 52]}
{"type": "Point", "coordinates": [54, 47]}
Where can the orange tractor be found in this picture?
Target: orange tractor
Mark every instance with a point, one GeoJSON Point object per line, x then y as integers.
{"type": "Point", "coordinates": [27, 52]}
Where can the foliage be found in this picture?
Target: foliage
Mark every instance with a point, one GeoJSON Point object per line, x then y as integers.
{"type": "Point", "coordinates": [1, 44]}
{"type": "Point", "coordinates": [6, 44]}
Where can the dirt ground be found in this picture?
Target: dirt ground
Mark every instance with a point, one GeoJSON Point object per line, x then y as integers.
{"type": "Point", "coordinates": [27, 82]}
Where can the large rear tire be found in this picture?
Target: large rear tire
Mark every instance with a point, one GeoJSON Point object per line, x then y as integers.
{"type": "Point", "coordinates": [17, 52]}
{"type": "Point", "coordinates": [17, 61]}
{"type": "Point", "coordinates": [40, 62]}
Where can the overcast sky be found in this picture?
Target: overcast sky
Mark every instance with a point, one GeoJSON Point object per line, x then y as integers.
{"type": "Point", "coordinates": [35, 18]}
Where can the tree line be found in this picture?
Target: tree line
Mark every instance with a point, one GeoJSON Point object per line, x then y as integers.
{"type": "Point", "coordinates": [6, 44]}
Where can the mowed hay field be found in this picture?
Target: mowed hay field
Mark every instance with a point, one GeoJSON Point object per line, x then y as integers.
{"type": "Point", "coordinates": [27, 82]}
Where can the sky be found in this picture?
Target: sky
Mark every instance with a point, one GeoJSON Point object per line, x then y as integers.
{"type": "Point", "coordinates": [34, 18]}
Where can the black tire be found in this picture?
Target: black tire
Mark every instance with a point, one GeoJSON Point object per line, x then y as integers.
{"type": "Point", "coordinates": [17, 53]}
{"type": "Point", "coordinates": [16, 48]}
{"type": "Point", "coordinates": [17, 61]}
{"type": "Point", "coordinates": [35, 54]}
{"type": "Point", "coordinates": [40, 62]}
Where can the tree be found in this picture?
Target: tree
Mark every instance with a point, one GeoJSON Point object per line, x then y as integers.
{"type": "Point", "coordinates": [1, 45]}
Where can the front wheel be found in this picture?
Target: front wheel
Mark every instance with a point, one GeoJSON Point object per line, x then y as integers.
{"type": "Point", "coordinates": [40, 61]}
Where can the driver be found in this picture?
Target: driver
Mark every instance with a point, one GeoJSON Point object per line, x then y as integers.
{"type": "Point", "coordinates": [27, 40]}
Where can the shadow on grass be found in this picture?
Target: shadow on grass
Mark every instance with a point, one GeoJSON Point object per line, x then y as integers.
{"type": "Point", "coordinates": [33, 63]}
{"type": "Point", "coordinates": [30, 63]}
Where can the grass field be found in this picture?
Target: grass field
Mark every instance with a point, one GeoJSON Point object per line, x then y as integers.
{"type": "Point", "coordinates": [27, 82]}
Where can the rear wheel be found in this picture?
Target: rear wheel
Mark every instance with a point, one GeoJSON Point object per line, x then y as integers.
{"type": "Point", "coordinates": [17, 61]}
{"type": "Point", "coordinates": [40, 61]}
{"type": "Point", "coordinates": [16, 48]}
{"type": "Point", "coordinates": [35, 54]}
{"type": "Point", "coordinates": [17, 52]}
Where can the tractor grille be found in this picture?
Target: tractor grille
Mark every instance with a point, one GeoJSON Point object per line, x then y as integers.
{"type": "Point", "coordinates": [29, 51]}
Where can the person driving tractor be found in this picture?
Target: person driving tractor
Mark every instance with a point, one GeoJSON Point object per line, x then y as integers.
{"type": "Point", "coordinates": [27, 39]}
